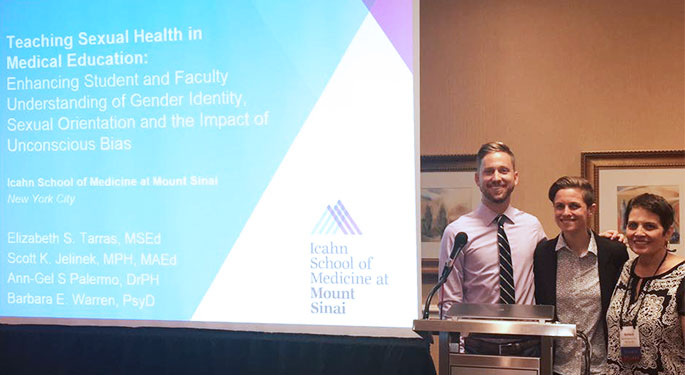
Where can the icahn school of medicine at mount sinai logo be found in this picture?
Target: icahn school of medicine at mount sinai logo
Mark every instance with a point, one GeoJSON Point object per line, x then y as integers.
{"type": "Point", "coordinates": [336, 219]}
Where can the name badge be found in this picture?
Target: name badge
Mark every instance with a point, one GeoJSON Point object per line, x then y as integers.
{"type": "Point", "coordinates": [630, 344]}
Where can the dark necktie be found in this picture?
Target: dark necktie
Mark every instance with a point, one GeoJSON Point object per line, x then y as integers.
{"type": "Point", "coordinates": [507, 293]}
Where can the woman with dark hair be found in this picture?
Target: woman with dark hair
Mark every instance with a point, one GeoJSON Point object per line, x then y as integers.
{"type": "Point", "coordinates": [646, 317]}
{"type": "Point", "coordinates": [576, 272]}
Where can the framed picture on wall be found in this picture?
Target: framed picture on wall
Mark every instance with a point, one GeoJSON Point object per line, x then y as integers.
{"type": "Point", "coordinates": [617, 176]}
{"type": "Point", "coordinates": [448, 190]}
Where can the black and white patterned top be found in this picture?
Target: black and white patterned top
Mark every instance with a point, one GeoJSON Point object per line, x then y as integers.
{"type": "Point", "coordinates": [579, 303]}
{"type": "Point", "coordinates": [656, 312]}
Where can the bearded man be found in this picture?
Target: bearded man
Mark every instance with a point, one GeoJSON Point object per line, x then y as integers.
{"type": "Point", "coordinates": [496, 264]}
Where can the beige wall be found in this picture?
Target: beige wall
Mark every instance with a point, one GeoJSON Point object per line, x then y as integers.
{"type": "Point", "coordinates": [551, 78]}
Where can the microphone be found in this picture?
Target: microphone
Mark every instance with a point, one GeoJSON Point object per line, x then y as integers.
{"type": "Point", "coordinates": [460, 241]}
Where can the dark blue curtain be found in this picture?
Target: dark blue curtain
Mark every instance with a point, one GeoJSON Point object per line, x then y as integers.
{"type": "Point", "coordinates": [116, 350]}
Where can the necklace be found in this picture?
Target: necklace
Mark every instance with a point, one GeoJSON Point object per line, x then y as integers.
{"type": "Point", "coordinates": [657, 267]}
{"type": "Point", "coordinates": [642, 287]}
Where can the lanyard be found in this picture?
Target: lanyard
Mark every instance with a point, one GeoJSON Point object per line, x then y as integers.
{"type": "Point", "coordinates": [643, 287]}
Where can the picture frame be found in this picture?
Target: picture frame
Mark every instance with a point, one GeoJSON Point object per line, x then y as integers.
{"type": "Point", "coordinates": [617, 176]}
{"type": "Point", "coordinates": [440, 176]}
{"type": "Point", "coordinates": [448, 190]}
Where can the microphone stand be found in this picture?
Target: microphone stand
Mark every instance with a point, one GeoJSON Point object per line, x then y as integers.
{"type": "Point", "coordinates": [459, 242]}
{"type": "Point", "coordinates": [443, 278]}
{"type": "Point", "coordinates": [426, 312]}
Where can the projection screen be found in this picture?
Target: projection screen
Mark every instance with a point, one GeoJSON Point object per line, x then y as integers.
{"type": "Point", "coordinates": [247, 165]}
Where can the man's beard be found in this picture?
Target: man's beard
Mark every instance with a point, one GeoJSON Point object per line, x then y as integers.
{"type": "Point", "coordinates": [504, 198]}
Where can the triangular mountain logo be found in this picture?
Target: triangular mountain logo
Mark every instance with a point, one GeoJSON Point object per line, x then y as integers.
{"type": "Point", "coordinates": [335, 220]}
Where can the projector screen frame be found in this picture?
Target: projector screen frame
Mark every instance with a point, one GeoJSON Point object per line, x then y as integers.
{"type": "Point", "coordinates": [285, 328]}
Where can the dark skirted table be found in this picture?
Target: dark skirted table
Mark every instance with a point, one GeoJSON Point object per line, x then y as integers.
{"type": "Point", "coordinates": [54, 350]}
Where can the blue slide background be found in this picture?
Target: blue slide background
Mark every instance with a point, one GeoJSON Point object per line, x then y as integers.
{"type": "Point", "coordinates": [279, 58]}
